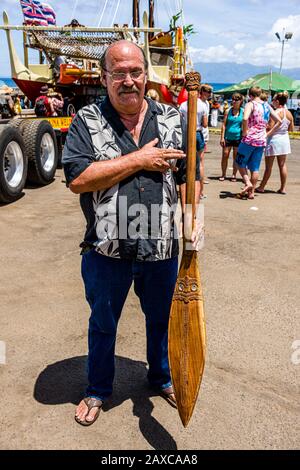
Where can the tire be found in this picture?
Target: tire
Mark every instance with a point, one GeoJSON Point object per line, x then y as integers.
{"type": "Point", "coordinates": [13, 164]}
{"type": "Point", "coordinates": [18, 124]}
{"type": "Point", "coordinates": [41, 149]}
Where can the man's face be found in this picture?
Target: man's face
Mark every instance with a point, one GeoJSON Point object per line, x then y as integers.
{"type": "Point", "coordinates": [125, 77]}
{"type": "Point", "coordinates": [206, 94]}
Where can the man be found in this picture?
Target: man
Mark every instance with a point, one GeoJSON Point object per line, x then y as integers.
{"type": "Point", "coordinates": [43, 104]}
{"type": "Point", "coordinates": [201, 126]}
{"type": "Point", "coordinates": [205, 95]}
{"type": "Point", "coordinates": [122, 158]}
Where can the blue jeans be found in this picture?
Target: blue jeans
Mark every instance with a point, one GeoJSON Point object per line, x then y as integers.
{"type": "Point", "coordinates": [107, 282]}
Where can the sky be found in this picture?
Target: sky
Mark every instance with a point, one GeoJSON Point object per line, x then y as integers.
{"type": "Point", "coordinates": [241, 31]}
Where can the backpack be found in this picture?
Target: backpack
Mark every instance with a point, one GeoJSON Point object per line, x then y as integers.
{"type": "Point", "coordinates": [40, 107]}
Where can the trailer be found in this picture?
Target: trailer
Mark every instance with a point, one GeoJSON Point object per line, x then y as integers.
{"type": "Point", "coordinates": [69, 61]}
{"type": "Point", "coordinates": [30, 152]}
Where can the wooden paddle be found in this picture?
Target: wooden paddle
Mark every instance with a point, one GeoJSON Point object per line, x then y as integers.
{"type": "Point", "coordinates": [187, 337]}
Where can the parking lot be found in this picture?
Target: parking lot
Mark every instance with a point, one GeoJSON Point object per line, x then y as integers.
{"type": "Point", "coordinates": [250, 265]}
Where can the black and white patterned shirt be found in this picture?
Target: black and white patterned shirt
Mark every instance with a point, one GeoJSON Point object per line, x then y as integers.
{"type": "Point", "coordinates": [134, 219]}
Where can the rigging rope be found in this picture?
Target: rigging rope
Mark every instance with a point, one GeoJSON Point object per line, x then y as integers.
{"type": "Point", "coordinates": [101, 16]}
{"type": "Point", "coordinates": [189, 57]}
{"type": "Point", "coordinates": [170, 8]}
{"type": "Point", "coordinates": [73, 11]}
{"type": "Point", "coordinates": [113, 20]}
{"type": "Point", "coordinates": [110, 12]}
{"type": "Point", "coordinates": [166, 7]}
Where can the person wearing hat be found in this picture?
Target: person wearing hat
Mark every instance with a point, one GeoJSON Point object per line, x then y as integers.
{"type": "Point", "coordinates": [56, 101]}
{"type": "Point", "coordinates": [43, 104]}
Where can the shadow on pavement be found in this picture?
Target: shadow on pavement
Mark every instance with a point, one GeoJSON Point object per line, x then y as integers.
{"type": "Point", "coordinates": [65, 382]}
{"type": "Point", "coordinates": [228, 194]}
{"type": "Point", "coordinates": [227, 179]}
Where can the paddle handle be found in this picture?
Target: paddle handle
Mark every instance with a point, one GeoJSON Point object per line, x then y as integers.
{"type": "Point", "coordinates": [192, 86]}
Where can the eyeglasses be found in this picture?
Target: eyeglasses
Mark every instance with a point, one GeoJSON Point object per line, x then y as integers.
{"type": "Point", "coordinates": [121, 76]}
{"type": "Point", "coordinates": [236, 99]}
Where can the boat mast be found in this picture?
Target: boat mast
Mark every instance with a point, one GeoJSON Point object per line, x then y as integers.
{"type": "Point", "coordinates": [151, 16]}
{"type": "Point", "coordinates": [136, 15]}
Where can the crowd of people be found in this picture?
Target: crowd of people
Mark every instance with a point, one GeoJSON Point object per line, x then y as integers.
{"type": "Point", "coordinates": [252, 127]}
{"type": "Point", "coordinates": [49, 103]}
{"type": "Point", "coordinates": [248, 130]}
{"type": "Point", "coordinates": [11, 102]}
{"type": "Point", "coordinates": [255, 130]}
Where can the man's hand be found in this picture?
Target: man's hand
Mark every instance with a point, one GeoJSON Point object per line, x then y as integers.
{"type": "Point", "coordinates": [222, 142]}
{"type": "Point", "coordinates": [153, 158]}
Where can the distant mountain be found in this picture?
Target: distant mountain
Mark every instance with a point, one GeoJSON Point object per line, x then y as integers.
{"type": "Point", "coordinates": [230, 72]}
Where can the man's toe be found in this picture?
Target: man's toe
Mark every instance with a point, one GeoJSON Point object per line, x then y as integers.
{"type": "Point", "coordinates": [81, 411]}
{"type": "Point", "coordinates": [91, 415]}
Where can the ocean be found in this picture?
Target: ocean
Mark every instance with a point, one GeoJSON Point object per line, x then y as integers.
{"type": "Point", "coordinates": [220, 86]}
{"type": "Point", "coordinates": [9, 82]}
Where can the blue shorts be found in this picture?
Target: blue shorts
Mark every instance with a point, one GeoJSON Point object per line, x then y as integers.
{"type": "Point", "coordinates": [200, 144]}
{"type": "Point", "coordinates": [249, 156]}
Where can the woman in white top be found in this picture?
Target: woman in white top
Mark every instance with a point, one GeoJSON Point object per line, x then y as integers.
{"type": "Point", "coordinates": [278, 143]}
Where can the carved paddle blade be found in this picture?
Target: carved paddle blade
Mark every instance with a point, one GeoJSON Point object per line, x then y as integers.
{"type": "Point", "coordinates": [187, 338]}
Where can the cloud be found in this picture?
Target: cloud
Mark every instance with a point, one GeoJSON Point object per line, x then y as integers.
{"type": "Point", "coordinates": [239, 46]}
{"type": "Point", "coordinates": [254, 52]}
{"type": "Point", "coordinates": [234, 35]}
{"type": "Point", "coordinates": [271, 53]}
{"type": "Point", "coordinates": [290, 24]}
{"type": "Point", "coordinates": [218, 54]}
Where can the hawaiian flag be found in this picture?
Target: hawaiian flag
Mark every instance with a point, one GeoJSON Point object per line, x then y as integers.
{"type": "Point", "coordinates": [37, 13]}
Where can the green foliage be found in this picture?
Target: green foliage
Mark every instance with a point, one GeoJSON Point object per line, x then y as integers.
{"type": "Point", "coordinates": [187, 29]}
{"type": "Point", "coordinates": [173, 21]}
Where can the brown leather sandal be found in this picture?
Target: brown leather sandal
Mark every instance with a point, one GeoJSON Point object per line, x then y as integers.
{"type": "Point", "coordinates": [169, 395]}
{"type": "Point", "coordinates": [90, 403]}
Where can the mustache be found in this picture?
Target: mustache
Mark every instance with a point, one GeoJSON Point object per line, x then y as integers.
{"type": "Point", "coordinates": [126, 89]}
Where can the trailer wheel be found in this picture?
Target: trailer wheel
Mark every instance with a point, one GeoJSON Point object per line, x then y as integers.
{"type": "Point", "coordinates": [41, 149]}
{"type": "Point", "coordinates": [13, 164]}
{"type": "Point", "coordinates": [18, 123]}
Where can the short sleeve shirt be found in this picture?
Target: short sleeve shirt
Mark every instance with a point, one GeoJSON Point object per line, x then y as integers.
{"type": "Point", "coordinates": [134, 219]}
{"type": "Point", "coordinates": [201, 112]}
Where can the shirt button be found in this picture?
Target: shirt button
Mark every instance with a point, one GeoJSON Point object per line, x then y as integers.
{"type": "Point", "coordinates": [142, 189]}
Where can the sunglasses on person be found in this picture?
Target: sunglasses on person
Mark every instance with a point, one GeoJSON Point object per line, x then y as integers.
{"type": "Point", "coordinates": [236, 99]}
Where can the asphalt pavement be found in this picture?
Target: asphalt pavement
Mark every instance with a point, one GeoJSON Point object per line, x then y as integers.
{"type": "Point", "coordinates": [250, 266]}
